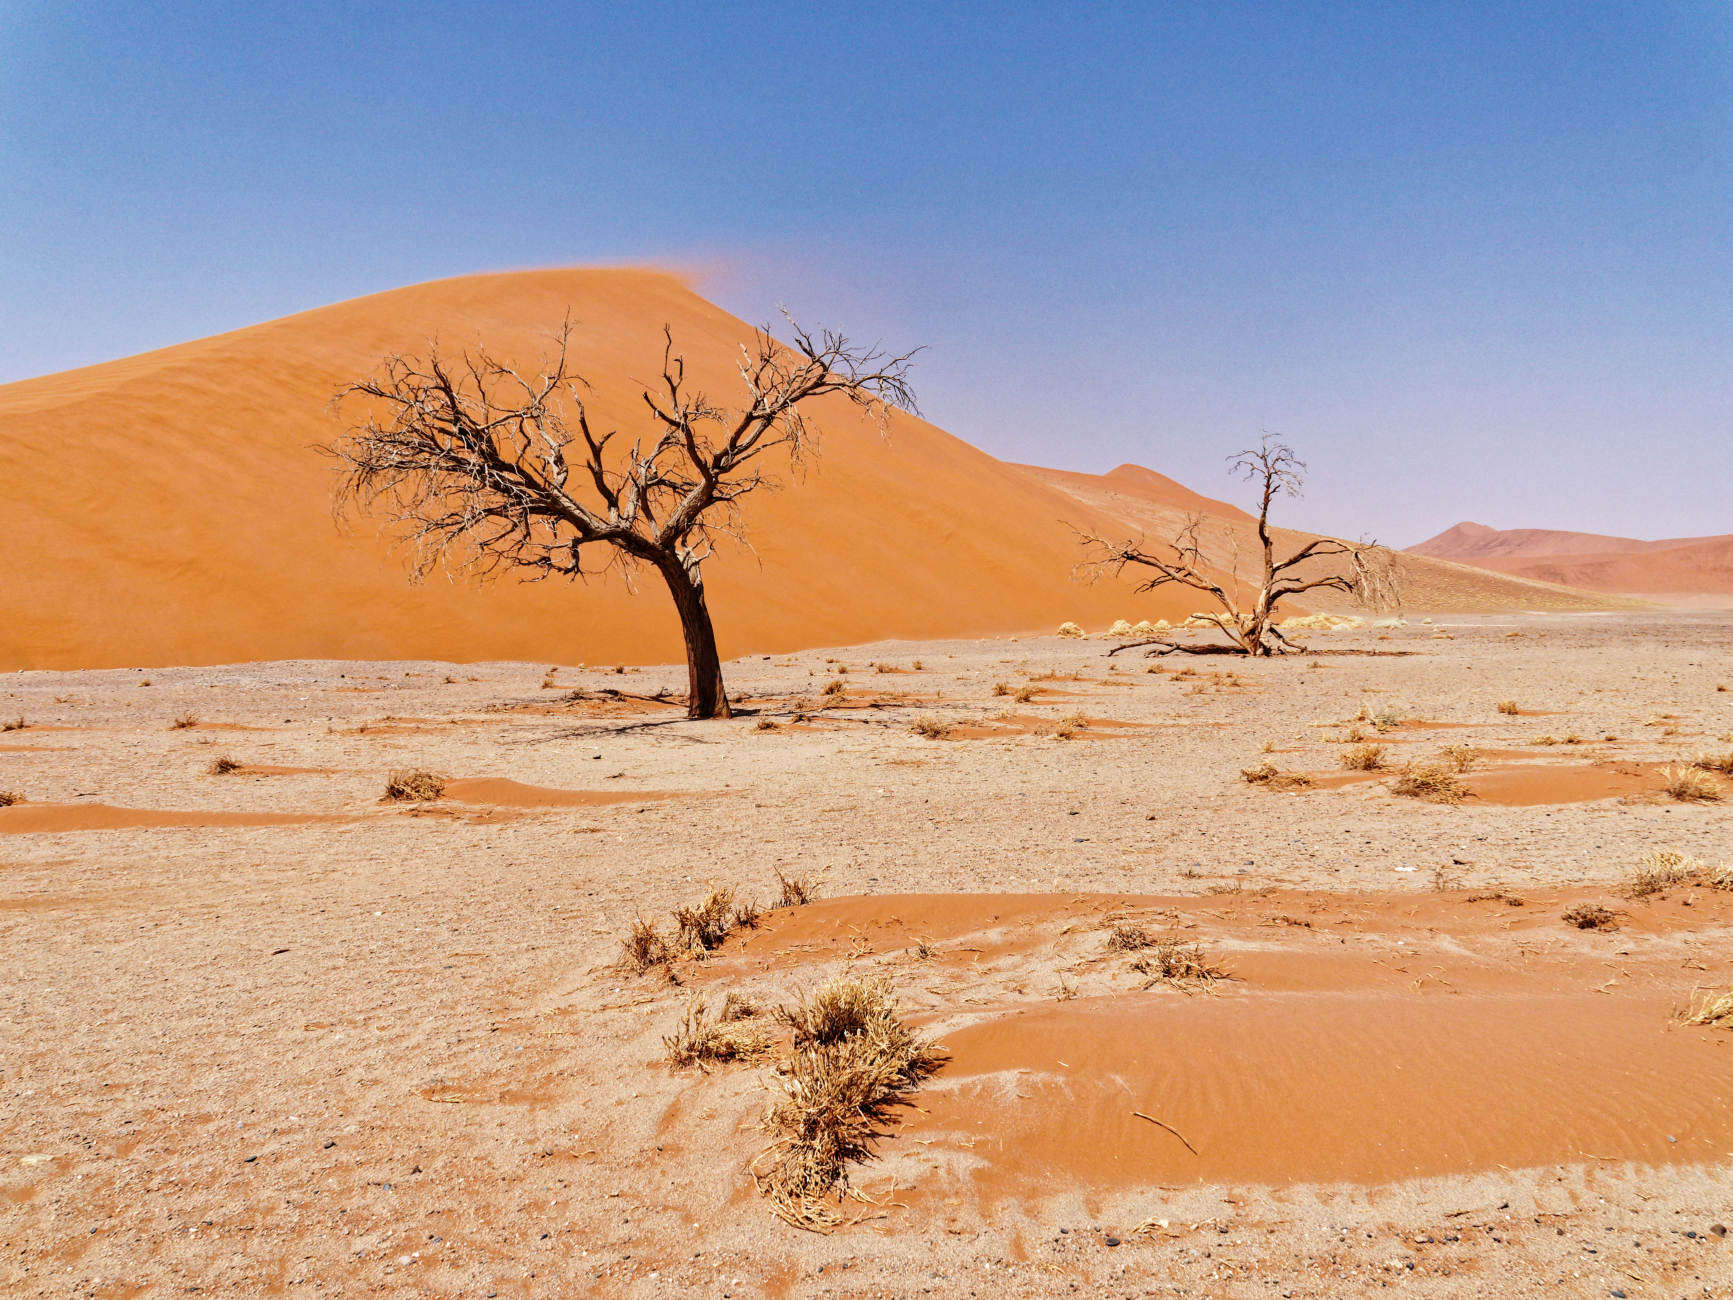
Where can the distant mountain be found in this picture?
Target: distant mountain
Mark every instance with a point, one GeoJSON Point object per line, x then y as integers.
{"type": "Point", "coordinates": [1679, 566]}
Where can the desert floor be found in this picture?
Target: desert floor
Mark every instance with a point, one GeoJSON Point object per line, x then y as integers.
{"type": "Point", "coordinates": [268, 1034]}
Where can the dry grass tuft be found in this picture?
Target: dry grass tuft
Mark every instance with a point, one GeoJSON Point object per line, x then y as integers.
{"type": "Point", "coordinates": [1509, 707]}
{"type": "Point", "coordinates": [416, 786]}
{"type": "Point", "coordinates": [184, 722]}
{"type": "Point", "coordinates": [794, 891]}
{"type": "Point", "coordinates": [1460, 757]}
{"type": "Point", "coordinates": [930, 727]}
{"type": "Point", "coordinates": [1001, 688]}
{"type": "Point", "coordinates": [835, 686]}
{"type": "Point", "coordinates": [766, 724]}
{"type": "Point", "coordinates": [1690, 785]}
{"type": "Point", "coordinates": [1661, 869]}
{"type": "Point", "coordinates": [707, 926]}
{"type": "Point", "coordinates": [854, 1063]}
{"type": "Point", "coordinates": [1363, 758]}
{"type": "Point", "coordinates": [1710, 1008]}
{"type": "Point", "coordinates": [1591, 916]}
{"type": "Point", "coordinates": [645, 947]}
{"type": "Point", "coordinates": [14, 724]}
{"type": "Point", "coordinates": [1025, 694]}
{"type": "Point", "coordinates": [705, 1040]}
{"type": "Point", "coordinates": [1173, 961]}
{"type": "Point", "coordinates": [224, 765]}
{"type": "Point", "coordinates": [1271, 777]}
{"type": "Point", "coordinates": [1434, 784]}
{"type": "Point", "coordinates": [1127, 937]}
{"type": "Point", "coordinates": [1722, 763]}
{"type": "Point", "coordinates": [10, 797]}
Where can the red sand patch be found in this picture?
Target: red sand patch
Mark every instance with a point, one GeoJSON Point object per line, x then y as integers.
{"type": "Point", "coordinates": [497, 792]}
{"type": "Point", "coordinates": [55, 818]}
{"type": "Point", "coordinates": [1529, 784]}
{"type": "Point", "coordinates": [1365, 1038]}
{"type": "Point", "coordinates": [1028, 725]}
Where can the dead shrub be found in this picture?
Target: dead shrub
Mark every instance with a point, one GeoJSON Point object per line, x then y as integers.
{"type": "Point", "coordinates": [1025, 694]}
{"type": "Point", "coordinates": [184, 722]}
{"type": "Point", "coordinates": [416, 785]}
{"type": "Point", "coordinates": [1661, 869]}
{"type": "Point", "coordinates": [14, 724]}
{"type": "Point", "coordinates": [1434, 784]}
{"type": "Point", "coordinates": [930, 727]}
{"type": "Point", "coordinates": [705, 1040]}
{"type": "Point", "coordinates": [834, 686]}
{"type": "Point", "coordinates": [1509, 707]}
{"type": "Point", "coordinates": [1001, 688]}
{"type": "Point", "coordinates": [10, 797]}
{"type": "Point", "coordinates": [1591, 916]}
{"type": "Point", "coordinates": [645, 947]}
{"type": "Point", "coordinates": [794, 891]}
{"type": "Point", "coordinates": [1173, 961]}
{"type": "Point", "coordinates": [1690, 785]}
{"type": "Point", "coordinates": [766, 724]}
{"type": "Point", "coordinates": [1363, 758]}
{"type": "Point", "coordinates": [854, 1063]}
{"type": "Point", "coordinates": [1271, 777]}
{"type": "Point", "coordinates": [223, 765]}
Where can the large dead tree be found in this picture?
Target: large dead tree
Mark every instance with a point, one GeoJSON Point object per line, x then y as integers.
{"type": "Point", "coordinates": [1362, 570]}
{"type": "Point", "coordinates": [482, 469]}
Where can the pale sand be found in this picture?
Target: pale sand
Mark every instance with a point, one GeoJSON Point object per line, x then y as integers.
{"type": "Point", "coordinates": [389, 1053]}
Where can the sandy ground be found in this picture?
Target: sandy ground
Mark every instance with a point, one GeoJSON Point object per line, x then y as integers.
{"type": "Point", "coordinates": [266, 1034]}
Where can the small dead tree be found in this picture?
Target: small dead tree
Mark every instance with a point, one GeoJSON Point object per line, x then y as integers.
{"type": "Point", "coordinates": [483, 469]}
{"type": "Point", "coordinates": [1362, 570]}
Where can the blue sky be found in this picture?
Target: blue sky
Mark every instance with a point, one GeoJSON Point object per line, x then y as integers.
{"type": "Point", "coordinates": [1472, 260]}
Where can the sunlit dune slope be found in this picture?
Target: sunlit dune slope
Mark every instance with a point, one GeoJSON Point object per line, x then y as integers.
{"type": "Point", "coordinates": [1679, 566]}
{"type": "Point", "coordinates": [169, 508]}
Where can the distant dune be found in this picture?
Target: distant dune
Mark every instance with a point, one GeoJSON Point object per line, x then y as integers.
{"type": "Point", "coordinates": [168, 508]}
{"type": "Point", "coordinates": [1673, 567]}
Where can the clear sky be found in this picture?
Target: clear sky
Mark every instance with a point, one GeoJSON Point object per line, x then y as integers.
{"type": "Point", "coordinates": [1473, 260]}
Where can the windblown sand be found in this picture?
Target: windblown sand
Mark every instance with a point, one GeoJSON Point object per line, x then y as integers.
{"type": "Point", "coordinates": [268, 1033]}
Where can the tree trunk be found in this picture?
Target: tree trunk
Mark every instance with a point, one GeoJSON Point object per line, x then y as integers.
{"type": "Point", "coordinates": [706, 697]}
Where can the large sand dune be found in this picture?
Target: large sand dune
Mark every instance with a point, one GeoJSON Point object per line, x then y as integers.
{"type": "Point", "coordinates": [1677, 566]}
{"type": "Point", "coordinates": [169, 508]}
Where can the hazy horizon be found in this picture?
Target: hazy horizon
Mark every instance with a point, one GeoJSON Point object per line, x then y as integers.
{"type": "Point", "coordinates": [1472, 265]}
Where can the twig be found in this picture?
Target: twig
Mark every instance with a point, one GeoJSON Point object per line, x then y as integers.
{"type": "Point", "coordinates": [1169, 1127]}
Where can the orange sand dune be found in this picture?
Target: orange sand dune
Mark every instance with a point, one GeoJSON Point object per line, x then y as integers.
{"type": "Point", "coordinates": [1679, 566]}
{"type": "Point", "coordinates": [168, 508]}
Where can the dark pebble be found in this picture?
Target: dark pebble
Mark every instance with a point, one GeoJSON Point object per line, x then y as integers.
{"type": "Point", "coordinates": [1113, 1241]}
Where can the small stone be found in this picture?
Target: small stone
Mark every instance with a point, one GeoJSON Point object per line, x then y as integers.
{"type": "Point", "coordinates": [1113, 1241]}
{"type": "Point", "coordinates": [1718, 1230]}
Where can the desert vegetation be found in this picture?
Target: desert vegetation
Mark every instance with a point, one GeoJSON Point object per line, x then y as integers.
{"type": "Point", "coordinates": [415, 785]}
{"type": "Point", "coordinates": [704, 1037]}
{"type": "Point", "coordinates": [485, 469]}
{"type": "Point", "coordinates": [10, 797]}
{"type": "Point", "coordinates": [1362, 758]}
{"type": "Point", "coordinates": [1690, 785]}
{"type": "Point", "coordinates": [223, 765]}
{"type": "Point", "coordinates": [1433, 782]}
{"type": "Point", "coordinates": [1271, 777]}
{"type": "Point", "coordinates": [1591, 916]}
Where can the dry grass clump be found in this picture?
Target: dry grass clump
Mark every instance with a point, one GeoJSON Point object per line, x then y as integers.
{"type": "Point", "coordinates": [1690, 785]}
{"type": "Point", "coordinates": [14, 724]}
{"type": "Point", "coordinates": [1435, 784]}
{"type": "Point", "coordinates": [416, 785]}
{"type": "Point", "coordinates": [1271, 777]}
{"type": "Point", "coordinates": [1460, 757]}
{"type": "Point", "coordinates": [1591, 916]}
{"type": "Point", "coordinates": [223, 765]}
{"type": "Point", "coordinates": [1722, 763]}
{"type": "Point", "coordinates": [835, 686]}
{"type": "Point", "coordinates": [1509, 707]}
{"type": "Point", "coordinates": [708, 925]}
{"type": "Point", "coordinates": [1002, 688]}
{"type": "Point", "coordinates": [184, 722]}
{"type": "Point", "coordinates": [766, 724]}
{"type": "Point", "coordinates": [794, 891]}
{"type": "Point", "coordinates": [1710, 1008]}
{"type": "Point", "coordinates": [1363, 758]}
{"type": "Point", "coordinates": [930, 727]}
{"type": "Point", "coordinates": [1025, 694]}
{"type": "Point", "coordinates": [854, 1062]}
{"type": "Point", "coordinates": [1386, 719]}
{"type": "Point", "coordinates": [1173, 961]}
{"type": "Point", "coordinates": [645, 947]}
{"type": "Point", "coordinates": [1661, 869]}
{"type": "Point", "coordinates": [1127, 937]}
{"type": "Point", "coordinates": [1720, 877]}
{"type": "Point", "coordinates": [10, 797]}
{"type": "Point", "coordinates": [703, 1039]}
{"type": "Point", "coordinates": [1069, 727]}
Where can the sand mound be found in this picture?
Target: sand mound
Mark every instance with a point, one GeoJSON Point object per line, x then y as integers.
{"type": "Point", "coordinates": [168, 508]}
